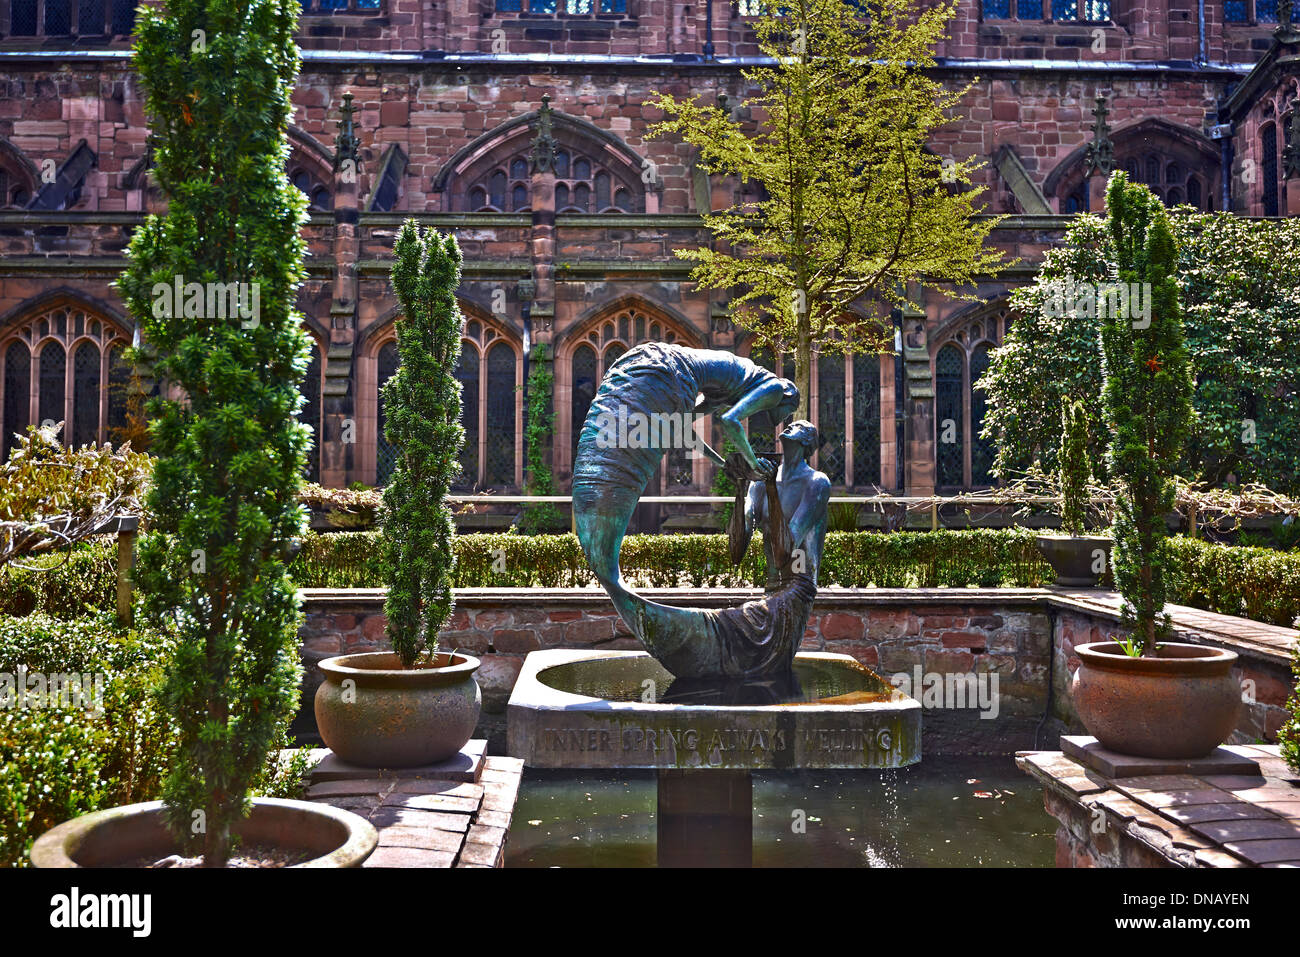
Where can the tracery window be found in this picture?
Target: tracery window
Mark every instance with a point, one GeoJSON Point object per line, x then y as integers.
{"type": "Point", "coordinates": [488, 372]}
{"type": "Point", "coordinates": [59, 366]}
{"type": "Point", "coordinates": [87, 18]}
{"type": "Point", "coordinates": [1169, 178]}
{"type": "Point", "coordinates": [963, 458]}
{"type": "Point", "coordinates": [310, 413]}
{"type": "Point", "coordinates": [567, 8]}
{"type": "Point", "coordinates": [842, 412]}
{"type": "Point", "coordinates": [312, 186]}
{"type": "Point", "coordinates": [592, 357]}
{"type": "Point", "coordinates": [582, 185]}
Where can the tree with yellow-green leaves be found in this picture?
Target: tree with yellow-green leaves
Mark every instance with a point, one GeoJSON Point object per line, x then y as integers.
{"type": "Point", "coordinates": [855, 206]}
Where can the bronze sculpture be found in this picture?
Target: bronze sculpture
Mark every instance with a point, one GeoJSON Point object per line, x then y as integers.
{"type": "Point", "coordinates": [663, 383]}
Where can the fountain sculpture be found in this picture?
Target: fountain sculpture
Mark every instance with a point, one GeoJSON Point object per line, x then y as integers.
{"type": "Point", "coordinates": [722, 691]}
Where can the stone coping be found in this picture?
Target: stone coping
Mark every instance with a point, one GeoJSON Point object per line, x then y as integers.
{"type": "Point", "coordinates": [1248, 638]}
{"type": "Point", "coordinates": [426, 820]}
{"type": "Point", "coordinates": [1189, 820]}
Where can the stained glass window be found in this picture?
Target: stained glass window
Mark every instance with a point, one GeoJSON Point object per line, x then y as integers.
{"type": "Point", "coordinates": [53, 368]}
{"type": "Point", "coordinates": [385, 452]}
{"type": "Point", "coordinates": [500, 398]}
{"type": "Point", "coordinates": [981, 449]}
{"type": "Point", "coordinates": [866, 419]}
{"type": "Point", "coordinates": [85, 395]}
{"type": "Point", "coordinates": [467, 374]}
{"type": "Point", "coordinates": [830, 416]}
{"type": "Point", "coordinates": [17, 386]}
{"type": "Point", "coordinates": [948, 419]}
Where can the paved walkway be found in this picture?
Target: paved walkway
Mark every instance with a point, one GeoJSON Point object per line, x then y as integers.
{"type": "Point", "coordinates": [456, 814]}
{"type": "Point", "coordinates": [1205, 820]}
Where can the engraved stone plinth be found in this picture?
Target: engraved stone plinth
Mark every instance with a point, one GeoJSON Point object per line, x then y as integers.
{"type": "Point", "coordinates": [594, 709]}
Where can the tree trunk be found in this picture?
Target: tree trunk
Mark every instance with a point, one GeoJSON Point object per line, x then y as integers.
{"type": "Point", "coordinates": [803, 369]}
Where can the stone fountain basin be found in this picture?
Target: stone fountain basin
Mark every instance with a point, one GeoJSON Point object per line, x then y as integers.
{"type": "Point", "coordinates": [622, 709]}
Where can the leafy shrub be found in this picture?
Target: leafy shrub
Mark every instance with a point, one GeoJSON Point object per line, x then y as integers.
{"type": "Point", "coordinates": [56, 764]}
{"type": "Point", "coordinates": [63, 584]}
{"type": "Point", "coordinates": [985, 557]}
{"type": "Point", "coordinates": [52, 495]}
{"type": "Point", "coordinates": [1289, 736]}
{"type": "Point", "coordinates": [1257, 583]}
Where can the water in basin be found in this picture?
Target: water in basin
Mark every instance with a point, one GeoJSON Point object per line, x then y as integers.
{"type": "Point", "coordinates": [815, 681]}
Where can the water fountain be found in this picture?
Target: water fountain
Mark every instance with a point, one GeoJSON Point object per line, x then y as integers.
{"type": "Point", "coordinates": [722, 692]}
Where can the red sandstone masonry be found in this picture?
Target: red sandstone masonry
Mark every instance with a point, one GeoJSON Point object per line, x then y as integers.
{"type": "Point", "coordinates": [965, 631]}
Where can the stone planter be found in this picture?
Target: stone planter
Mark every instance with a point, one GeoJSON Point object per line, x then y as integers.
{"type": "Point", "coordinates": [121, 836]}
{"type": "Point", "coordinates": [372, 712]}
{"type": "Point", "coordinates": [1075, 559]}
{"type": "Point", "coordinates": [1183, 703]}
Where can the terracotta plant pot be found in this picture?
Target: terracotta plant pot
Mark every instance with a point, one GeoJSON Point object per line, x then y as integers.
{"type": "Point", "coordinates": [372, 712]}
{"type": "Point", "coordinates": [1183, 703]}
{"type": "Point", "coordinates": [1075, 559]}
{"type": "Point", "coordinates": [122, 836]}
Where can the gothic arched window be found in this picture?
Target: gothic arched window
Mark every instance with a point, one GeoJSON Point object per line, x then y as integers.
{"type": "Point", "coordinates": [604, 342]}
{"type": "Point", "coordinates": [949, 418]}
{"type": "Point", "coordinates": [467, 373]}
{"type": "Point", "coordinates": [310, 413]}
{"type": "Point", "coordinates": [866, 419]}
{"type": "Point", "coordinates": [311, 182]}
{"type": "Point", "coordinates": [385, 452]}
{"type": "Point", "coordinates": [16, 387]}
{"type": "Point", "coordinates": [500, 399]}
{"type": "Point", "coordinates": [981, 451]}
{"type": "Point", "coordinates": [1268, 169]}
{"type": "Point", "coordinates": [489, 403]}
{"type": "Point", "coordinates": [70, 362]}
{"type": "Point", "coordinates": [830, 416]}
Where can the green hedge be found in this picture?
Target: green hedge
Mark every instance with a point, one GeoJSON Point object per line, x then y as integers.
{"type": "Point", "coordinates": [1257, 583]}
{"type": "Point", "coordinates": [54, 763]}
{"type": "Point", "coordinates": [65, 583]}
{"type": "Point", "coordinates": [58, 762]}
{"type": "Point", "coordinates": [987, 557]}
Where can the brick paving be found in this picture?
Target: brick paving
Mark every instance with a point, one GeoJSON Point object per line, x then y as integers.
{"type": "Point", "coordinates": [1189, 820]}
{"type": "Point", "coordinates": [452, 815]}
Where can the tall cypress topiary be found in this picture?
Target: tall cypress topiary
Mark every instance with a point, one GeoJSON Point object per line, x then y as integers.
{"type": "Point", "coordinates": [422, 421]}
{"type": "Point", "coordinates": [1146, 395]}
{"type": "Point", "coordinates": [212, 285]}
{"type": "Point", "coordinates": [1073, 466]}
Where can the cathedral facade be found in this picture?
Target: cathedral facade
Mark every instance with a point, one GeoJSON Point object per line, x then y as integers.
{"type": "Point", "coordinates": [520, 126]}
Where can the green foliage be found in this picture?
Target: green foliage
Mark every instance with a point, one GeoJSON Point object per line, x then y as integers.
{"type": "Point", "coordinates": [1289, 735]}
{"type": "Point", "coordinates": [1074, 470]}
{"type": "Point", "coordinates": [64, 584]}
{"type": "Point", "coordinates": [723, 484]}
{"type": "Point", "coordinates": [1257, 583]}
{"type": "Point", "coordinates": [52, 495]}
{"type": "Point", "coordinates": [985, 557]}
{"type": "Point", "coordinates": [1146, 395]}
{"type": "Point", "coordinates": [58, 763]}
{"type": "Point", "coordinates": [539, 428]}
{"type": "Point", "coordinates": [1239, 283]}
{"type": "Point", "coordinates": [217, 77]}
{"type": "Point", "coordinates": [422, 421]}
{"type": "Point", "coordinates": [856, 206]}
